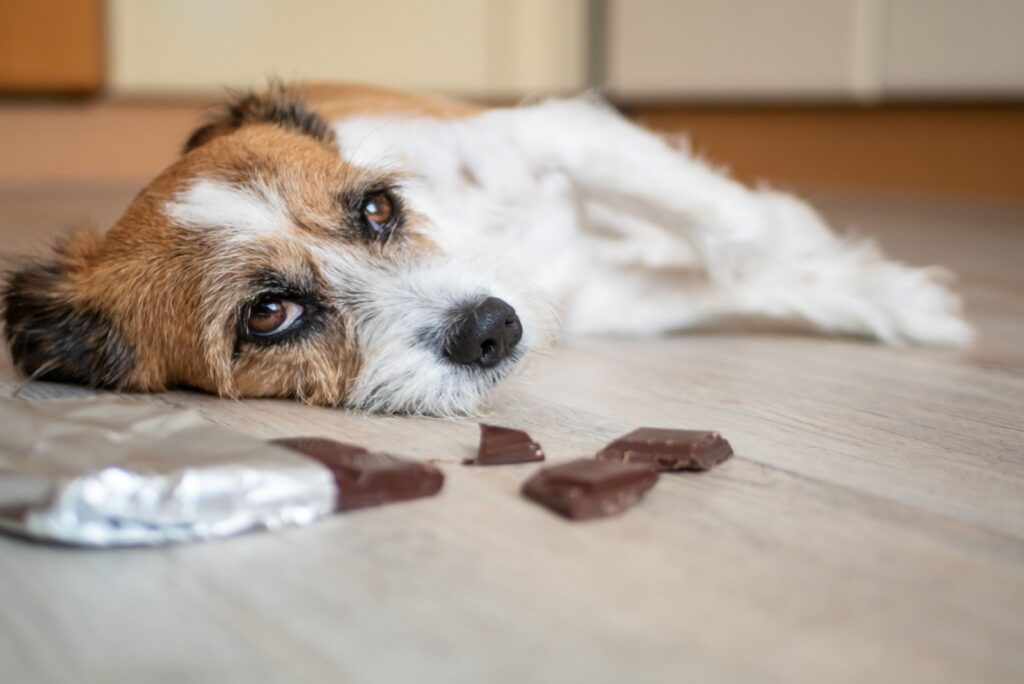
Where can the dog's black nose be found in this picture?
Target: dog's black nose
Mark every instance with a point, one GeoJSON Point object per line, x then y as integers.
{"type": "Point", "coordinates": [483, 334]}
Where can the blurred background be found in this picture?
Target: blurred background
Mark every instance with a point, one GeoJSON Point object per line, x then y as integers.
{"type": "Point", "coordinates": [920, 96]}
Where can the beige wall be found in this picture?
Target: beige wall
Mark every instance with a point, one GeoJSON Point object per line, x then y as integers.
{"type": "Point", "coordinates": [479, 47]}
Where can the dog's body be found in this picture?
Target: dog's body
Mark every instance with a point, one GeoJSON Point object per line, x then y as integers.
{"type": "Point", "coordinates": [361, 247]}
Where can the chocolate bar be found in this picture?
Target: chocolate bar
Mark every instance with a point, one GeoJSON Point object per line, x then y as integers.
{"type": "Point", "coordinates": [669, 449]}
{"type": "Point", "coordinates": [587, 488]}
{"type": "Point", "coordinates": [503, 446]}
{"type": "Point", "coordinates": [365, 478]}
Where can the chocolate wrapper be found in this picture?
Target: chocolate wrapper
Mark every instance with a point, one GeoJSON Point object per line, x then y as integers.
{"type": "Point", "coordinates": [101, 472]}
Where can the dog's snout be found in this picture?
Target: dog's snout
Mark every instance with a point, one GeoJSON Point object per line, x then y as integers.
{"type": "Point", "coordinates": [484, 333]}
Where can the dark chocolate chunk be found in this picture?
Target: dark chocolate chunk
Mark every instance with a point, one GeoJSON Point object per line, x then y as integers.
{"type": "Point", "coordinates": [590, 489]}
{"type": "Point", "coordinates": [669, 449]}
{"type": "Point", "coordinates": [502, 446]}
{"type": "Point", "coordinates": [368, 478]}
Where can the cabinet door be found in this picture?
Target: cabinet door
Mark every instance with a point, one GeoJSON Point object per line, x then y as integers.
{"type": "Point", "coordinates": [729, 49]}
{"type": "Point", "coordinates": [953, 47]}
{"type": "Point", "coordinates": [51, 46]}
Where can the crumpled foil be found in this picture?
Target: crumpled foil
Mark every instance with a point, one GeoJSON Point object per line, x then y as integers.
{"type": "Point", "coordinates": [102, 472]}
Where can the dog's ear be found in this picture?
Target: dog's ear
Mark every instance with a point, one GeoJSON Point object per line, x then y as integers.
{"type": "Point", "coordinates": [279, 105]}
{"type": "Point", "coordinates": [55, 334]}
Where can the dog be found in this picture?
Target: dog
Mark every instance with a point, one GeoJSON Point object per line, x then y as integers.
{"type": "Point", "coordinates": [383, 251]}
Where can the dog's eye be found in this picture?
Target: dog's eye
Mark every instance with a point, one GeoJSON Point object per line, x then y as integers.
{"type": "Point", "coordinates": [273, 315]}
{"type": "Point", "coordinates": [378, 210]}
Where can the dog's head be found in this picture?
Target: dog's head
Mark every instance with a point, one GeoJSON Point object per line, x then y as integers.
{"type": "Point", "coordinates": [261, 264]}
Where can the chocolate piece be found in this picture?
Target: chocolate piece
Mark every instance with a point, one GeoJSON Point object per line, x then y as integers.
{"type": "Point", "coordinates": [502, 446]}
{"type": "Point", "coordinates": [368, 478]}
{"type": "Point", "coordinates": [669, 449]}
{"type": "Point", "coordinates": [587, 488]}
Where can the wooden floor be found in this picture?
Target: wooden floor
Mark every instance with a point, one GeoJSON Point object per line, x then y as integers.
{"type": "Point", "coordinates": [870, 527]}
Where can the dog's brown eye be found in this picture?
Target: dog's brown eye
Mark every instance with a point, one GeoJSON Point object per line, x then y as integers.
{"type": "Point", "coordinates": [378, 210]}
{"type": "Point", "coordinates": [271, 316]}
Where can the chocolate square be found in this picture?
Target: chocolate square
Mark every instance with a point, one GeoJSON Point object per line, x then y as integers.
{"type": "Point", "coordinates": [504, 446]}
{"type": "Point", "coordinates": [587, 488]}
{"type": "Point", "coordinates": [669, 449]}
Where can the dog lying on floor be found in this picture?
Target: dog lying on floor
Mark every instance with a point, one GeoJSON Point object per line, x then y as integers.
{"type": "Point", "coordinates": [359, 247]}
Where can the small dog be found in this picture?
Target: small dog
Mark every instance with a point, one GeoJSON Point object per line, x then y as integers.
{"type": "Point", "coordinates": [360, 247]}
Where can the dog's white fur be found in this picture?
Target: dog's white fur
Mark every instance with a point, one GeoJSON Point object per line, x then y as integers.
{"type": "Point", "coordinates": [629, 235]}
{"type": "Point", "coordinates": [239, 213]}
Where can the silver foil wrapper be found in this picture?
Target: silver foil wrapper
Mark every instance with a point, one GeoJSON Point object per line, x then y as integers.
{"type": "Point", "coordinates": [101, 472]}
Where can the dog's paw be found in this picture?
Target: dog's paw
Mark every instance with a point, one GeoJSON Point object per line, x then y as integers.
{"type": "Point", "coordinates": [851, 288]}
{"type": "Point", "coordinates": [916, 306]}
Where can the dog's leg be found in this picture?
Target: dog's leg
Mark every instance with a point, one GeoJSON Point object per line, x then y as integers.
{"type": "Point", "coordinates": [760, 253]}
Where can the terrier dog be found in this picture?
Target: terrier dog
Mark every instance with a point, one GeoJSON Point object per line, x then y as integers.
{"type": "Point", "coordinates": [360, 247]}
